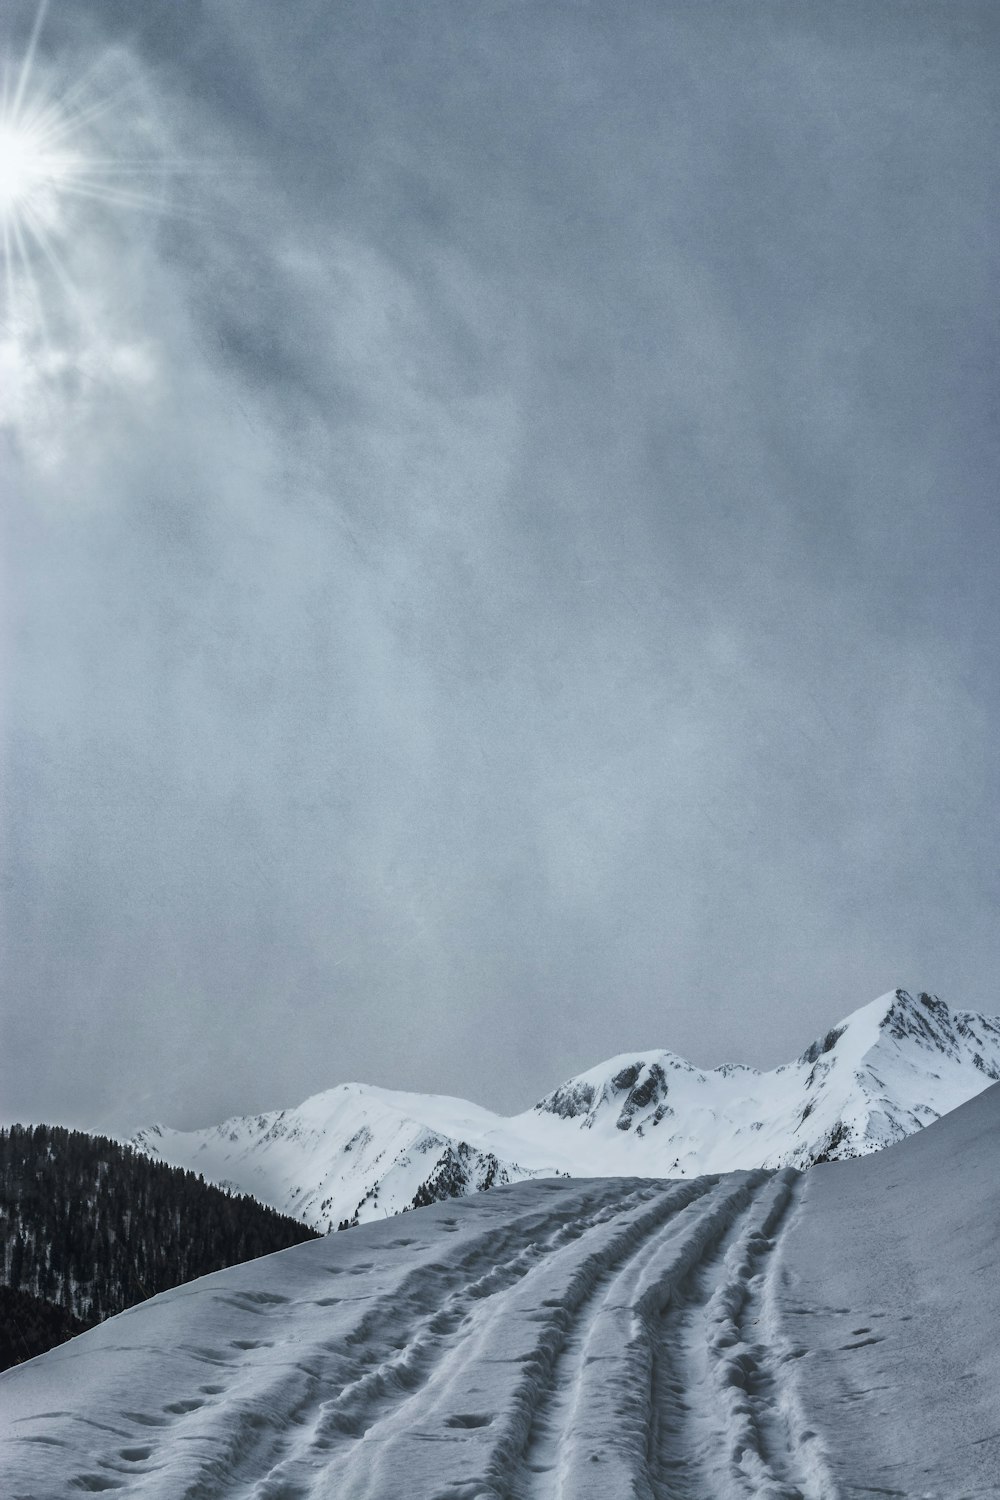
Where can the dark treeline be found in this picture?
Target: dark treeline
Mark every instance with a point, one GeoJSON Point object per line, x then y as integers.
{"type": "Point", "coordinates": [29, 1326]}
{"type": "Point", "coordinates": [91, 1227]}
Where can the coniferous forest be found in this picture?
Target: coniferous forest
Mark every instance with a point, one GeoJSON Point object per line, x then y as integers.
{"type": "Point", "coordinates": [89, 1227]}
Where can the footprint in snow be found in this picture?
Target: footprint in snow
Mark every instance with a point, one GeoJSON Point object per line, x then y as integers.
{"type": "Point", "coordinates": [208, 1356]}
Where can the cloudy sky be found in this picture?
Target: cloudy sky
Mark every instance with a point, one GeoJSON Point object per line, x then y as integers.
{"type": "Point", "coordinates": [500, 540]}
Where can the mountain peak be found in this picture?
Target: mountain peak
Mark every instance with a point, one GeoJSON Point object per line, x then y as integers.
{"type": "Point", "coordinates": [357, 1151]}
{"type": "Point", "coordinates": [631, 1085]}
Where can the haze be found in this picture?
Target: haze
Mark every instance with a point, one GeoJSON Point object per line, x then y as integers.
{"type": "Point", "coordinates": [505, 570]}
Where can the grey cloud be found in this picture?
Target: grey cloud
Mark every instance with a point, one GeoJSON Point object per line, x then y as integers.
{"type": "Point", "coordinates": [544, 604]}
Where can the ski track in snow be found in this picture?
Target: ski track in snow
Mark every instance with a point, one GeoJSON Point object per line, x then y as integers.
{"type": "Point", "coordinates": [724, 1414]}
{"type": "Point", "coordinates": [515, 1315]}
{"type": "Point", "coordinates": [614, 1342]}
{"type": "Point", "coordinates": [409, 1362]}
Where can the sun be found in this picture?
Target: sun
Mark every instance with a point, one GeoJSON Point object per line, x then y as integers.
{"type": "Point", "coordinates": [35, 159]}
{"type": "Point", "coordinates": [76, 147]}
{"type": "Point", "coordinates": [86, 146]}
{"type": "Point", "coordinates": [53, 150]}
{"type": "Point", "coordinates": [24, 167]}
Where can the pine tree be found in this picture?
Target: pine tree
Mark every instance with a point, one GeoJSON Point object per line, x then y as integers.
{"type": "Point", "coordinates": [94, 1227]}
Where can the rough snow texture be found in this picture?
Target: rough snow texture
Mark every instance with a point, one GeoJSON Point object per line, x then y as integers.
{"type": "Point", "coordinates": [357, 1153]}
{"type": "Point", "coordinates": [762, 1334]}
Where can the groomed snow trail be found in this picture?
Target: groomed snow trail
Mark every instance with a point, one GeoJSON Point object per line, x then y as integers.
{"type": "Point", "coordinates": [586, 1341]}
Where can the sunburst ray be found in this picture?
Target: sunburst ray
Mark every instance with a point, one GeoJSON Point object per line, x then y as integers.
{"type": "Point", "coordinates": [77, 156]}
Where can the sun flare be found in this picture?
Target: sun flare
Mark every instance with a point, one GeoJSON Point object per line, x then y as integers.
{"type": "Point", "coordinates": [25, 167]}
{"type": "Point", "coordinates": [84, 156]}
{"type": "Point", "coordinates": [59, 154]}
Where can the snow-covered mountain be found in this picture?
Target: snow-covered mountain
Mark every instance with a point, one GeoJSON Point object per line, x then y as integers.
{"type": "Point", "coordinates": [357, 1152]}
{"type": "Point", "coordinates": [718, 1336]}
{"type": "Point", "coordinates": [350, 1154]}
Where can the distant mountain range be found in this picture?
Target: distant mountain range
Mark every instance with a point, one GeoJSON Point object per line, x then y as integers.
{"type": "Point", "coordinates": [356, 1152]}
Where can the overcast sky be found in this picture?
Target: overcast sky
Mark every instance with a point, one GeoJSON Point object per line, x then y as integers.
{"type": "Point", "coordinates": [500, 566]}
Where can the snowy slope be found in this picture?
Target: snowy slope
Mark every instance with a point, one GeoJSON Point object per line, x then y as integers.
{"type": "Point", "coordinates": [766, 1335]}
{"type": "Point", "coordinates": [889, 1276]}
{"type": "Point", "coordinates": [356, 1153]}
{"type": "Point", "coordinates": [479, 1349]}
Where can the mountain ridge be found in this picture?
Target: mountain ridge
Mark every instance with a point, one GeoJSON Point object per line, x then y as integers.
{"type": "Point", "coordinates": [356, 1152]}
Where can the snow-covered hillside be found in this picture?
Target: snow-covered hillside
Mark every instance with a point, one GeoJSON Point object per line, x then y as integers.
{"type": "Point", "coordinates": [889, 1276]}
{"type": "Point", "coordinates": [761, 1334]}
{"type": "Point", "coordinates": [356, 1152]}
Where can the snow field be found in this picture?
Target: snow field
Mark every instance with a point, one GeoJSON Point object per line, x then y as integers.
{"type": "Point", "coordinates": [260, 1380]}
{"type": "Point", "coordinates": [758, 1336]}
{"type": "Point", "coordinates": [538, 1343]}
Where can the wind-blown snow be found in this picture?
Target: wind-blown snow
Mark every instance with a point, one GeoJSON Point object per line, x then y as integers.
{"type": "Point", "coordinates": [761, 1334]}
{"type": "Point", "coordinates": [356, 1153]}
